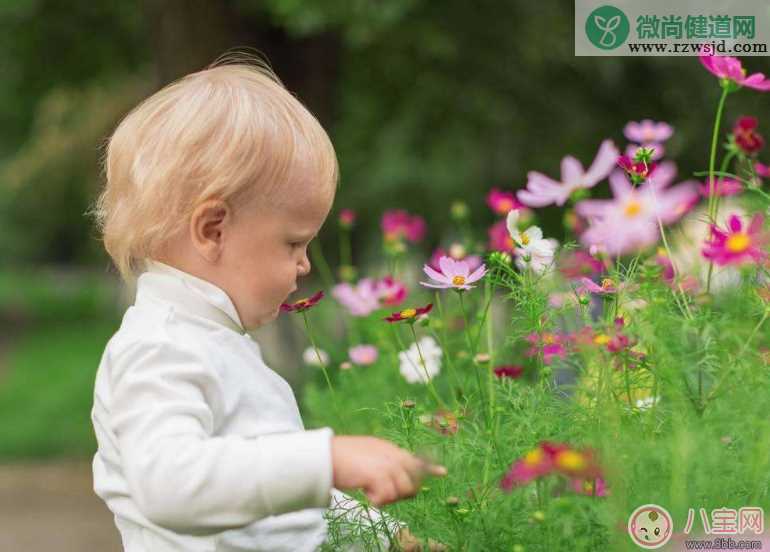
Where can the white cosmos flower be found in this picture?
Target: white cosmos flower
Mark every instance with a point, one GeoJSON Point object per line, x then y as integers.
{"type": "Point", "coordinates": [412, 368]}
{"type": "Point", "coordinates": [310, 358]}
{"type": "Point", "coordinates": [533, 251]}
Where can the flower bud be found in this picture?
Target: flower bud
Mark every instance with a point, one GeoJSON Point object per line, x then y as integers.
{"type": "Point", "coordinates": [459, 210]}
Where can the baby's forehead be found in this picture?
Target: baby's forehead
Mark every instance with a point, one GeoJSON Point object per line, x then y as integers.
{"type": "Point", "coordinates": [303, 210]}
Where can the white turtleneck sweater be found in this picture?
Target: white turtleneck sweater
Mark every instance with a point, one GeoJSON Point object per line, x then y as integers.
{"type": "Point", "coordinates": [201, 447]}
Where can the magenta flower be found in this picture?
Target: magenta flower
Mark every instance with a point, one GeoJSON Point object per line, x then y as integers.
{"type": "Point", "coordinates": [500, 239]}
{"type": "Point", "coordinates": [458, 253]}
{"type": "Point", "coordinates": [648, 131]}
{"type": "Point", "coordinates": [590, 487]}
{"type": "Point", "coordinates": [657, 150]}
{"type": "Point", "coordinates": [363, 355]}
{"type": "Point", "coordinates": [724, 187]}
{"type": "Point", "coordinates": [549, 344]}
{"type": "Point", "coordinates": [347, 218]}
{"type": "Point", "coordinates": [542, 190]}
{"type": "Point", "coordinates": [746, 136]}
{"type": "Point", "coordinates": [762, 170]}
{"type": "Point", "coordinates": [454, 275]}
{"type": "Point", "coordinates": [509, 371]}
{"type": "Point", "coordinates": [736, 245]}
{"type": "Point", "coordinates": [730, 70]}
{"type": "Point", "coordinates": [303, 304]}
{"type": "Point", "coordinates": [398, 224]}
{"type": "Point", "coordinates": [629, 221]}
{"type": "Point", "coordinates": [638, 171]}
{"type": "Point", "coordinates": [501, 202]}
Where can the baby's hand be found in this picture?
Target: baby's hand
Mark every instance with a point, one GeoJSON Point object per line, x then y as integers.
{"type": "Point", "coordinates": [385, 472]}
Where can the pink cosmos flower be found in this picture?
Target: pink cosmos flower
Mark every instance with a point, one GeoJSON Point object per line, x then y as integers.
{"type": "Point", "coordinates": [542, 190]}
{"type": "Point", "coordinates": [458, 253]}
{"type": "Point", "coordinates": [588, 286]}
{"type": "Point", "coordinates": [746, 136]}
{"type": "Point", "coordinates": [687, 282]}
{"type": "Point", "coordinates": [363, 355]}
{"type": "Point", "coordinates": [648, 131]}
{"type": "Point", "coordinates": [368, 295]}
{"type": "Point", "coordinates": [534, 464]}
{"type": "Point", "coordinates": [501, 202]}
{"type": "Point", "coordinates": [549, 344]}
{"type": "Point", "coordinates": [390, 291]}
{"type": "Point", "coordinates": [736, 245]}
{"type": "Point", "coordinates": [347, 218]}
{"type": "Point", "coordinates": [590, 487]}
{"type": "Point", "coordinates": [454, 275]}
{"type": "Point", "coordinates": [729, 69]}
{"type": "Point", "coordinates": [724, 187]}
{"type": "Point", "coordinates": [657, 150]}
{"type": "Point", "coordinates": [551, 457]}
{"type": "Point", "coordinates": [628, 222]}
{"type": "Point", "coordinates": [398, 224]}
{"type": "Point", "coordinates": [500, 239]}
{"type": "Point", "coordinates": [578, 264]}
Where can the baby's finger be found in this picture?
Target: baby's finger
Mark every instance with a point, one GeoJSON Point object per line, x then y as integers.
{"type": "Point", "coordinates": [384, 492]}
{"type": "Point", "coordinates": [436, 470]}
{"type": "Point", "coordinates": [405, 485]}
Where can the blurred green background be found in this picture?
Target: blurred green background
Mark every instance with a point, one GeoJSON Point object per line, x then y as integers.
{"type": "Point", "coordinates": [426, 102]}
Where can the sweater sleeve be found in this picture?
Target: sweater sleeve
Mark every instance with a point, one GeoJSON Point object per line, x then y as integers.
{"type": "Point", "coordinates": [185, 478]}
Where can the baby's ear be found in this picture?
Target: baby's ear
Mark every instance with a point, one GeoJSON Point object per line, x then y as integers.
{"type": "Point", "coordinates": [207, 226]}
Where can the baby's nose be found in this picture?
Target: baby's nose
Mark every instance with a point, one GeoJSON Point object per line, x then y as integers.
{"type": "Point", "coordinates": [304, 266]}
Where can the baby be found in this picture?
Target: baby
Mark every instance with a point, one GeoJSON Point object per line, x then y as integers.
{"type": "Point", "coordinates": [215, 186]}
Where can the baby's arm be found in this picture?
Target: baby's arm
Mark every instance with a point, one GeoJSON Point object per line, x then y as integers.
{"type": "Point", "coordinates": [183, 477]}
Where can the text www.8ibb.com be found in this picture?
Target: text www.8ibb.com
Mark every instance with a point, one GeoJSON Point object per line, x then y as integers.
{"type": "Point", "coordinates": [723, 544]}
{"type": "Point", "coordinates": [706, 48]}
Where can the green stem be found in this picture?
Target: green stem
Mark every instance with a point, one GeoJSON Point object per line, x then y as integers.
{"type": "Point", "coordinates": [445, 347]}
{"type": "Point", "coordinates": [318, 355]}
{"type": "Point", "coordinates": [754, 331]}
{"type": "Point", "coordinates": [472, 353]}
{"type": "Point", "coordinates": [712, 181]}
{"type": "Point", "coordinates": [320, 261]}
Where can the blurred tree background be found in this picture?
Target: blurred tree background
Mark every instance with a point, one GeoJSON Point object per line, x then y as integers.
{"type": "Point", "coordinates": [426, 102]}
{"type": "Point", "coordinates": [442, 100]}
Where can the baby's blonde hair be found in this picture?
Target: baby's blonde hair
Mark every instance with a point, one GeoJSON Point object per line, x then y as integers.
{"type": "Point", "coordinates": [231, 131]}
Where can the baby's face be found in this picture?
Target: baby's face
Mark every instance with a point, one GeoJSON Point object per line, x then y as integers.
{"type": "Point", "coordinates": [266, 252]}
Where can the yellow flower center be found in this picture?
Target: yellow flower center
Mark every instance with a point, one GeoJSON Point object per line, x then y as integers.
{"type": "Point", "coordinates": [302, 302]}
{"type": "Point", "coordinates": [571, 460]}
{"type": "Point", "coordinates": [588, 487]}
{"type": "Point", "coordinates": [632, 209]}
{"type": "Point", "coordinates": [607, 283]}
{"type": "Point", "coordinates": [533, 457]}
{"type": "Point", "coordinates": [458, 280]}
{"type": "Point", "coordinates": [408, 313]}
{"type": "Point", "coordinates": [549, 339]}
{"type": "Point", "coordinates": [737, 243]}
{"type": "Point", "coordinates": [602, 339]}
{"type": "Point", "coordinates": [524, 239]}
{"type": "Point", "coordinates": [505, 205]}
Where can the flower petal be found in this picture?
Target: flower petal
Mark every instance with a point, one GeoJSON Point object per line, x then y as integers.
{"type": "Point", "coordinates": [602, 165]}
